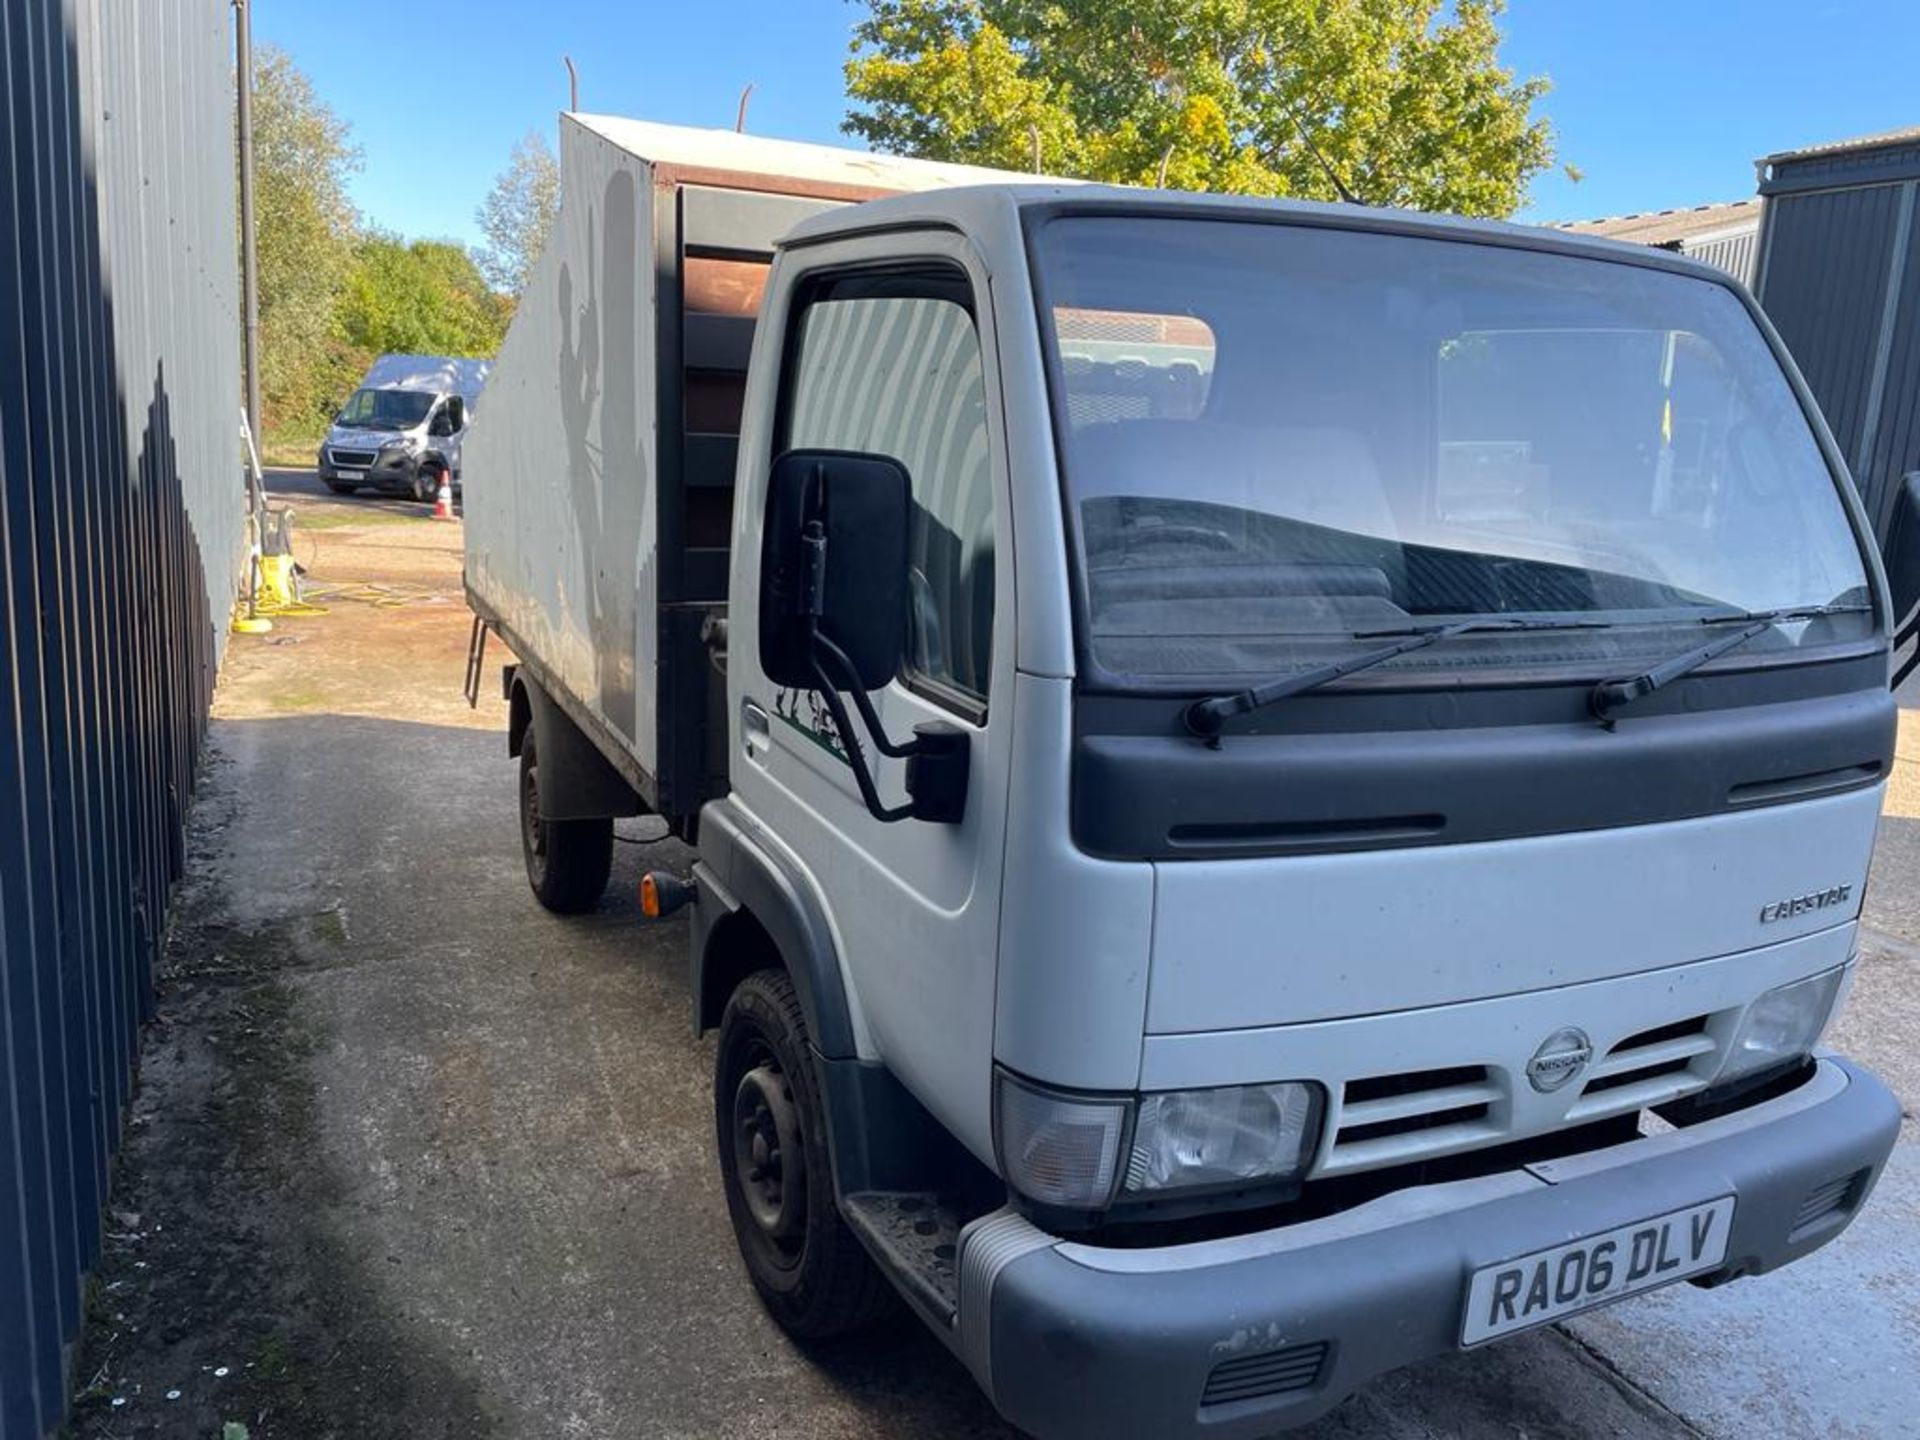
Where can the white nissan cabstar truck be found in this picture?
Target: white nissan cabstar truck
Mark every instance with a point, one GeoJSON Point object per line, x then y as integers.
{"type": "Point", "coordinates": [1278, 789]}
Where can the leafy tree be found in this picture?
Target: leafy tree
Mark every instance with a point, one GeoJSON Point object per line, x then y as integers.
{"type": "Point", "coordinates": [426, 297]}
{"type": "Point", "coordinates": [517, 215]}
{"type": "Point", "coordinates": [305, 231]}
{"type": "Point", "coordinates": [1401, 102]}
{"type": "Point", "coordinates": [332, 295]}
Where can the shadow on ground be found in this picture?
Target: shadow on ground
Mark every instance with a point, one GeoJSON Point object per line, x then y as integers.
{"type": "Point", "coordinates": [413, 1158]}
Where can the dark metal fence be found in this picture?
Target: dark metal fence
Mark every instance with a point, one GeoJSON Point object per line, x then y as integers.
{"type": "Point", "coordinates": [1840, 278]}
{"type": "Point", "coordinates": [121, 538]}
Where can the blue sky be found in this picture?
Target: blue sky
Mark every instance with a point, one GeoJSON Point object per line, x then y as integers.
{"type": "Point", "coordinates": [1660, 102]}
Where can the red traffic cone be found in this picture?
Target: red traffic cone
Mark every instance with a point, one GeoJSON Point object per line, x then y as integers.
{"type": "Point", "coordinates": [443, 498]}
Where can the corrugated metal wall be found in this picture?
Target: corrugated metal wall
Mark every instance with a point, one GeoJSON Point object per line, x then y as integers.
{"type": "Point", "coordinates": [121, 538]}
{"type": "Point", "coordinates": [1733, 251]}
{"type": "Point", "coordinates": [1840, 278]}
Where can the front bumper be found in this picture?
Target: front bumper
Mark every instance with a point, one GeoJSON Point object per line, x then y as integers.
{"type": "Point", "coordinates": [390, 470]}
{"type": "Point", "coordinates": [1076, 1340]}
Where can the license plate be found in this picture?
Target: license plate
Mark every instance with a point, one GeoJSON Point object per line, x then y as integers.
{"type": "Point", "coordinates": [1597, 1270]}
{"type": "Point", "coordinates": [346, 474]}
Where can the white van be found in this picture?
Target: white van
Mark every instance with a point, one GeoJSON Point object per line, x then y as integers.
{"type": "Point", "coordinates": [403, 426]}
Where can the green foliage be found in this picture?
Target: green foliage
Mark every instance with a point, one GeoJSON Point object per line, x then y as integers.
{"type": "Point", "coordinates": [332, 295]}
{"type": "Point", "coordinates": [423, 298]}
{"type": "Point", "coordinates": [1402, 102]}
{"type": "Point", "coordinates": [305, 228]}
{"type": "Point", "coordinates": [518, 213]}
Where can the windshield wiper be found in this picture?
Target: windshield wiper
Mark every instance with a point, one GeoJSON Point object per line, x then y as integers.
{"type": "Point", "coordinates": [1610, 696]}
{"type": "Point", "coordinates": [1206, 717]}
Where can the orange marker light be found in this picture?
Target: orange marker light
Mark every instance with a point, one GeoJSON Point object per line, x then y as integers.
{"type": "Point", "coordinates": [662, 892]}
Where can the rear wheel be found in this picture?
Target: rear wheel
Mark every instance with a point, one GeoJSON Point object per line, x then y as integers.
{"type": "Point", "coordinates": [810, 1270]}
{"type": "Point", "coordinates": [567, 860]}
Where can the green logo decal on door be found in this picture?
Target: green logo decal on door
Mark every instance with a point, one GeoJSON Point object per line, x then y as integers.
{"type": "Point", "coordinates": [807, 713]}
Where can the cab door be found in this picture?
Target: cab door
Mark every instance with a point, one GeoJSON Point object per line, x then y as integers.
{"type": "Point", "coordinates": [884, 346]}
{"type": "Point", "coordinates": [448, 429]}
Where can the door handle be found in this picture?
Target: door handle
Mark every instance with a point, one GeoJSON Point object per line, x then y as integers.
{"type": "Point", "coordinates": [756, 730]}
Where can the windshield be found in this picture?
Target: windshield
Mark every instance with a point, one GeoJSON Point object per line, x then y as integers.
{"type": "Point", "coordinates": [385, 409]}
{"type": "Point", "coordinates": [1276, 438]}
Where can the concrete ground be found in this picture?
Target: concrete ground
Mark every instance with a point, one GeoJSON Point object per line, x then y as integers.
{"type": "Point", "coordinates": [411, 1157]}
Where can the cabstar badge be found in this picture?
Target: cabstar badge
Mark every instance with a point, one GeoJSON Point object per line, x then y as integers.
{"type": "Point", "coordinates": [1800, 904]}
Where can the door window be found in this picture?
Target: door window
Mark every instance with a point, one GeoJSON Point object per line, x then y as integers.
{"type": "Point", "coordinates": [890, 365]}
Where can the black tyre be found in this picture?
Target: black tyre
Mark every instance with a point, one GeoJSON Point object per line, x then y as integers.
{"type": "Point", "coordinates": [567, 860]}
{"type": "Point", "coordinates": [337, 488]}
{"type": "Point", "coordinates": [810, 1270]}
{"type": "Point", "coordinates": [426, 484]}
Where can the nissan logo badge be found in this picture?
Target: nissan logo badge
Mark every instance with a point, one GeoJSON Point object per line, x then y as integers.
{"type": "Point", "coordinates": [1561, 1056]}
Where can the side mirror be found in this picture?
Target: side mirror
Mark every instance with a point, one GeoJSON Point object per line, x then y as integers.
{"type": "Point", "coordinates": [833, 615]}
{"type": "Point", "coordinates": [1903, 569]}
{"type": "Point", "coordinates": [833, 566]}
{"type": "Point", "coordinates": [456, 415]}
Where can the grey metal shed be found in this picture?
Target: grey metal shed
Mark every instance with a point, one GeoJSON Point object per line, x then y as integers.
{"type": "Point", "coordinates": [1840, 277]}
{"type": "Point", "coordinates": [1724, 234]}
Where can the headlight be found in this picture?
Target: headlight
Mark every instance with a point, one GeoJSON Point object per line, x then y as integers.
{"type": "Point", "coordinates": [1783, 1024]}
{"type": "Point", "coordinates": [1057, 1149]}
{"type": "Point", "coordinates": [1076, 1151]}
{"type": "Point", "coordinates": [1205, 1139]}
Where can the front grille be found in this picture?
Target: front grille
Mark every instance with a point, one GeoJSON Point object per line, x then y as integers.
{"type": "Point", "coordinates": [1408, 1117]}
{"type": "Point", "coordinates": [1255, 1377]}
{"type": "Point", "coordinates": [1385, 1119]}
{"type": "Point", "coordinates": [1834, 1197]}
{"type": "Point", "coordinates": [357, 458]}
{"type": "Point", "coordinates": [1650, 1068]}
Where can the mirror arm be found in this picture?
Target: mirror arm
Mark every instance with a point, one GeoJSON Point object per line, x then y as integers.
{"type": "Point", "coordinates": [842, 723]}
{"type": "Point", "coordinates": [813, 595]}
{"type": "Point", "coordinates": [850, 682]}
{"type": "Point", "coordinates": [937, 756]}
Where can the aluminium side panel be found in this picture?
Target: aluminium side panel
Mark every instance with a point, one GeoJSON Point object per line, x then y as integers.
{"type": "Point", "coordinates": [561, 462]}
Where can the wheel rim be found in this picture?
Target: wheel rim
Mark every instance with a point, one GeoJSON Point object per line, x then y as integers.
{"type": "Point", "coordinates": [769, 1159]}
{"type": "Point", "coordinates": [533, 830]}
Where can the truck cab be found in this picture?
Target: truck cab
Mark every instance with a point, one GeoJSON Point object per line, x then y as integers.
{"type": "Point", "coordinates": [1329, 1001]}
{"type": "Point", "coordinates": [1297, 787]}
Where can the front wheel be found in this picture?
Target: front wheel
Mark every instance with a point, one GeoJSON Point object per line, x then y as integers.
{"type": "Point", "coordinates": [810, 1270]}
{"type": "Point", "coordinates": [568, 861]}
